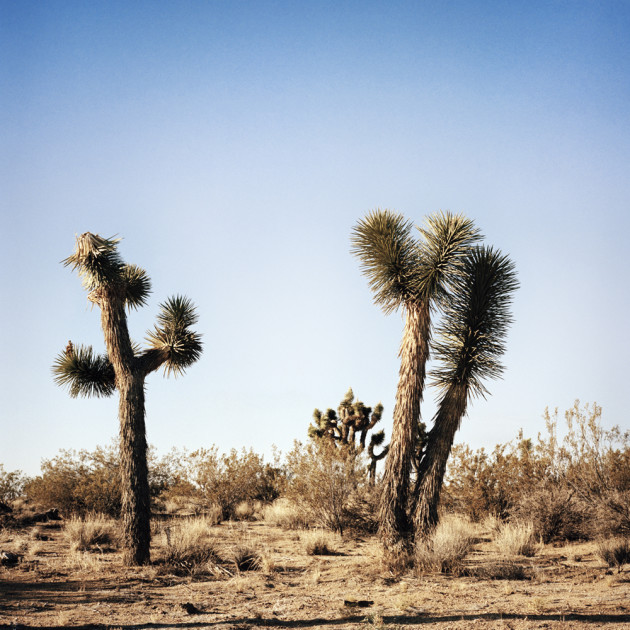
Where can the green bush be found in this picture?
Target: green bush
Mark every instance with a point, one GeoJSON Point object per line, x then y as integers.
{"type": "Point", "coordinates": [11, 484]}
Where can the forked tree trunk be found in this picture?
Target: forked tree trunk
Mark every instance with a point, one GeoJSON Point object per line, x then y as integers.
{"type": "Point", "coordinates": [394, 521]}
{"type": "Point", "coordinates": [433, 465]}
{"type": "Point", "coordinates": [136, 513]}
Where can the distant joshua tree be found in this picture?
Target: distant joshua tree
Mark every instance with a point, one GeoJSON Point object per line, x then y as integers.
{"type": "Point", "coordinates": [113, 286]}
{"type": "Point", "coordinates": [352, 419]}
{"type": "Point", "coordinates": [412, 274]}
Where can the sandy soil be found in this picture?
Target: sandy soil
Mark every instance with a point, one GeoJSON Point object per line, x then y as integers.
{"type": "Point", "coordinates": [563, 587]}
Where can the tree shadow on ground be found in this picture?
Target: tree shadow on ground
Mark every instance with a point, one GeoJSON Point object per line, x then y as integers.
{"type": "Point", "coordinates": [407, 620]}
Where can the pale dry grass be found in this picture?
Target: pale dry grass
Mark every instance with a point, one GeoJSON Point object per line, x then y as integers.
{"type": "Point", "coordinates": [517, 539]}
{"type": "Point", "coordinates": [96, 530]}
{"type": "Point", "coordinates": [84, 561]}
{"type": "Point", "coordinates": [190, 546]}
{"type": "Point", "coordinates": [284, 513]}
{"type": "Point", "coordinates": [320, 543]}
{"type": "Point", "coordinates": [447, 547]}
{"type": "Point", "coordinates": [492, 524]}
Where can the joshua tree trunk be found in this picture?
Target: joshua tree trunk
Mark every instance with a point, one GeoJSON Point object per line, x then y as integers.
{"type": "Point", "coordinates": [395, 525]}
{"type": "Point", "coordinates": [433, 465]}
{"type": "Point", "coordinates": [136, 509]}
{"type": "Point", "coordinates": [136, 506]}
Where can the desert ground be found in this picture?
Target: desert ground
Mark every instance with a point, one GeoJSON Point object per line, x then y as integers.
{"type": "Point", "coordinates": [54, 586]}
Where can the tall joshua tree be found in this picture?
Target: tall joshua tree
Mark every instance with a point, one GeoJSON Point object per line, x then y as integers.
{"type": "Point", "coordinates": [114, 286]}
{"type": "Point", "coordinates": [413, 275]}
{"type": "Point", "coordinates": [470, 341]}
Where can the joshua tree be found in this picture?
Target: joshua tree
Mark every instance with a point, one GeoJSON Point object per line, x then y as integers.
{"type": "Point", "coordinates": [413, 275]}
{"type": "Point", "coordinates": [470, 341]}
{"type": "Point", "coordinates": [113, 285]}
{"type": "Point", "coordinates": [352, 419]}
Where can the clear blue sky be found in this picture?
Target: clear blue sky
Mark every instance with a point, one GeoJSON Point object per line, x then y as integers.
{"type": "Point", "coordinates": [234, 145]}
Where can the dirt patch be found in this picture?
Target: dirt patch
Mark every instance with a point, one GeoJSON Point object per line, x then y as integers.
{"type": "Point", "coordinates": [559, 588]}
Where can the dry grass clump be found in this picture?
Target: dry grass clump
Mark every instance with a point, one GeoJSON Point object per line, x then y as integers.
{"type": "Point", "coordinates": [90, 531]}
{"type": "Point", "coordinates": [246, 558]}
{"type": "Point", "coordinates": [445, 550]}
{"type": "Point", "coordinates": [517, 539]}
{"type": "Point", "coordinates": [189, 546]}
{"type": "Point", "coordinates": [286, 514]}
{"type": "Point", "coordinates": [319, 543]}
{"type": "Point", "coordinates": [615, 552]}
{"type": "Point", "coordinates": [492, 524]}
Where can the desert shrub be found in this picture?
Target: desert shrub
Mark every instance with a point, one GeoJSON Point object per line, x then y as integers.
{"type": "Point", "coordinates": [85, 533]}
{"type": "Point", "coordinates": [517, 539]}
{"type": "Point", "coordinates": [84, 482]}
{"type": "Point", "coordinates": [554, 512]}
{"type": "Point", "coordinates": [615, 552]}
{"type": "Point", "coordinates": [571, 487]}
{"type": "Point", "coordinates": [478, 483]}
{"type": "Point", "coordinates": [325, 482]}
{"type": "Point", "coordinates": [597, 468]}
{"type": "Point", "coordinates": [205, 477]}
{"type": "Point", "coordinates": [446, 548]}
{"type": "Point", "coordinates": [78, 482]}
{"type": "Point", "coordinates": [11, 484]}
{"type": "Point", "coordinates": [190, 547]}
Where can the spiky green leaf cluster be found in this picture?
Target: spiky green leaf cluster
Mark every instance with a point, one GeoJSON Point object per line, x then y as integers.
{"type": "Point", "coordinates": [471, 337]}
{"type": "Point", "coordinates": [99, 265]}
{"type": "Point", "coordinates": [137, 286]}
{"type": "Point", "coordinates": [96, 259]}
{"type": "Point", "coordinates": [446, 238]}
{"type": "Point", "coordinates": [84, 373]}
{"type": "Point", "coordinates": [402, 269]}
{"type": "Point", "coordinates": [173, 336]}
{"type": "Point", "coordinates": [389, 257]}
